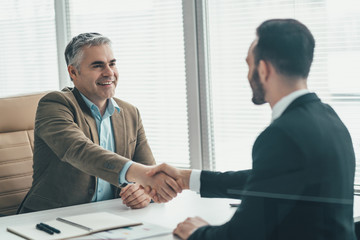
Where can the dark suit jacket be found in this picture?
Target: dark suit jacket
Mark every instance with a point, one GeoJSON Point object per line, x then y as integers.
{"type": "Point", "coordinates": [301, 183]}
{"type": "Point", "coordinates": [67, 155]}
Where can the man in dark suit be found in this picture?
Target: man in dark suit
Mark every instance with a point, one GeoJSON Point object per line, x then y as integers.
{"type": "Point", "coordinates": [301, 182]}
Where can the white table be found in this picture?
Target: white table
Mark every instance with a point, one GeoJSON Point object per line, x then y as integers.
{"type": "Point", "coordinates": [186, 204]}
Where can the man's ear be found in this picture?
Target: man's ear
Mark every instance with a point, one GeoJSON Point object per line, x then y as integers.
{"type": "Point", "coordinates": [264, 71]}
{"type": "Point", "coordinates": [73, 72]}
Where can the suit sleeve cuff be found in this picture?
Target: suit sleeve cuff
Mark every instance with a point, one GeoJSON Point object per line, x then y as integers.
{"type": "Point", "coordinates": [194, 183]}
{"type": "Point", "coordinates": [123, 172]}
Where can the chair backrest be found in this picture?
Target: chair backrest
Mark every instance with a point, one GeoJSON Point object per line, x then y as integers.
{"type": "Point", "coordinates": [17, 118]}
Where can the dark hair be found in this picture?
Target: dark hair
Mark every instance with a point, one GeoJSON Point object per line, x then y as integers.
{"type": "Point", "coordinates": [287, 44]}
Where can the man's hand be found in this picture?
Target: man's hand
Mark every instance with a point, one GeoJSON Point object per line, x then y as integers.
{"type": "Point", "coordinates": [186, 228]}
{"type": "Point", "coordinates": [182, 178]}
{"type": "Point", "coordinates": [165, 186]}
{"type": "Point", "coordinates": [134, 196]}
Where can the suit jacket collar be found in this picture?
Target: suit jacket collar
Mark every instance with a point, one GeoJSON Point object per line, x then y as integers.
{"type": "Point", "coordinates": [80, 100]}
{"type": "Point", "coordinates": [304, 99]}
{"type": "Point", "coordinates": [87, 115]}
{"type": "Point", "coordinates": [119, 131]}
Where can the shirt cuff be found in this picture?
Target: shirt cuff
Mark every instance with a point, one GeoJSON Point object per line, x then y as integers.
{"type": "Point", "coordinates": [123, 172]}
{"type": "Point", "coordinates": [194, 183]}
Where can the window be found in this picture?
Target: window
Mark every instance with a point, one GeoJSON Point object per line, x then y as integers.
{"type": "Point", "coordinates": [148, 44]}
{"type": "Point", "coordinates": [28, 61]}
{"type": "Point", "coordinates": [334, 76]}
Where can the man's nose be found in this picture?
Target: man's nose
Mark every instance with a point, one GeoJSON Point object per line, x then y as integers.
{"type": "Point", "coordinates": [108, 71]}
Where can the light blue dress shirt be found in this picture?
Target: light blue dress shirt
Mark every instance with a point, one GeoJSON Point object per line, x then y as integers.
{"type": "Point", "coordinates": [106, 140]}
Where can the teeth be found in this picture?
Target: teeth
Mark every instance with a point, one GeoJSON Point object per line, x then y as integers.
{"type": "Point", "coordinates": [106, 83]}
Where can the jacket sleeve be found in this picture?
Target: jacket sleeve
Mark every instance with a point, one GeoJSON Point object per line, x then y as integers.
{"type": "Point", "coordinates": [274, 155]}
{"type": "Point", "coordinates": [217, 184]}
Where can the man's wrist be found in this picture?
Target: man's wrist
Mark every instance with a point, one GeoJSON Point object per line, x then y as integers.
{"type": "Point", "coordinates": [194, 182]}
{"type": "Point", "coordinates": [135, 172]}
{"type": "Point", "coordinates": [122, 176]}
{"type": "Point", "coordinates": [185, 176]}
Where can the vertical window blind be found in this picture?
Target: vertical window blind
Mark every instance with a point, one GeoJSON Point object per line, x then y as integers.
{"type": "Point", "coordinates": [148, 43]}
{"type": "Point", "coordinates": [28, 61]}
{"type": "Point", "coordinates": [334, 77]}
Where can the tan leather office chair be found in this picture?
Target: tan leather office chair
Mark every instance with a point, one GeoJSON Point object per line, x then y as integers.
{"type": "Point", "coordinates": [17, 117]}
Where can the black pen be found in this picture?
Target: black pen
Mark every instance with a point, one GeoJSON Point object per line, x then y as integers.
{"type": "Point", "coordinates": [42, 228]}
{"type": "Point", "coordinates": [50, 227]}
{"type": "Point", "coordinates": [234, 204]}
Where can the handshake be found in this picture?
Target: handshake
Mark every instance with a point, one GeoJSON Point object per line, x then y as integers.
{"type": "Point", "coordinates": [161, 182]}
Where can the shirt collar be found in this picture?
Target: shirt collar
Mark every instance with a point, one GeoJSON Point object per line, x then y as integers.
{"type": "Point", "coordinates": [283, 103]}
{"type": "Point", "coordinates": [110, 108]}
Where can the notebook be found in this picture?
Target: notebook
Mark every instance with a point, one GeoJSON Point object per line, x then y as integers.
{"type": "Point", "coordinates": [74, 226]}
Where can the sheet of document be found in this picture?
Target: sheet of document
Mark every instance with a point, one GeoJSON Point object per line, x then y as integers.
{"type": "Point", "coordinates": [145, 230]}
{"type": "Point", "coordinates": [95, 222]}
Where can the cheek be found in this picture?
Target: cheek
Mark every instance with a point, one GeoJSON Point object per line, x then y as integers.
{"type": "Point", "coordinates": [250, 74]}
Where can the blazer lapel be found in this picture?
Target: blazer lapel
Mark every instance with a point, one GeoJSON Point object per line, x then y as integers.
{"type": "Point", "coordinates": [93, 129]}
{"type": "Point", "coordinates": [88, 117]}
{"type": "Point", "coordinates": [119, 130]}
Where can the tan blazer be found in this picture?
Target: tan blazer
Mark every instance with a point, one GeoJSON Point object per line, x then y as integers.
{"type": "Point", "coordinates": [67, 155]}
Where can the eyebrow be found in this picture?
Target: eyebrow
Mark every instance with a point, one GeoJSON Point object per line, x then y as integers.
{"type": "Point", "coordinates": [96, 63]}
{"type": "Point", "coordinates": [101, 62]}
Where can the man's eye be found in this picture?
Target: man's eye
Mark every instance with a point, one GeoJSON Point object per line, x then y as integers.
{"type": "Point", "coordinates": [112, 64]}
{"type": "Point", "coordinates": [97, 66]}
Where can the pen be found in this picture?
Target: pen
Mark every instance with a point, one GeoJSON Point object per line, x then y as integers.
{"type": "Point", "coordinates": [73, 224]}
{"type": "Point", "coordinates": [50, 227]}
{"type": "Point", "coordinates": [234, 204]}
{"type": "Point", "coordinates": [42, 228]}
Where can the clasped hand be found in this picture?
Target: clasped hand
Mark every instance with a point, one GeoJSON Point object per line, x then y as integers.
{"type": "Point", "coordinates": [180, 177]}
{"type": "Point", "coordinates": [134, 196]}
{"type": "Point", "coordinates": [162, 183]}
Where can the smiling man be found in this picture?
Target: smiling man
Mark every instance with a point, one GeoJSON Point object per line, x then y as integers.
{"type": "Point", "coordinates": [89, 145]}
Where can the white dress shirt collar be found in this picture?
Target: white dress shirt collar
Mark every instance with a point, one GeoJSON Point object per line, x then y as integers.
{"type": "Point", "coordinates": [283, 103]}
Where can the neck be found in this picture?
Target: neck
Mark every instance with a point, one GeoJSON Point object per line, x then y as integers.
{"type": "Point", "coordinates": [282, 89]}
{"type": "Point", "coordinates": [102, 106]}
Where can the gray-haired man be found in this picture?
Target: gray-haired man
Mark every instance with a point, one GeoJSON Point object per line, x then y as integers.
{"type": "Point", "coordinates": [85, 139]}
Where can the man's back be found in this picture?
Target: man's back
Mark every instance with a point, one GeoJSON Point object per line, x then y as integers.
{"type": "Point", "coordinates": [308, 162]}
{"type": "Point", "coordinates": [325, 144]}
{"type": "Point", "coordinates": [301, 183]}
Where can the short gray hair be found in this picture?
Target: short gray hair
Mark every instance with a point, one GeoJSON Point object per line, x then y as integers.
{"type": "Point", "coordinates": [74, 49]}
